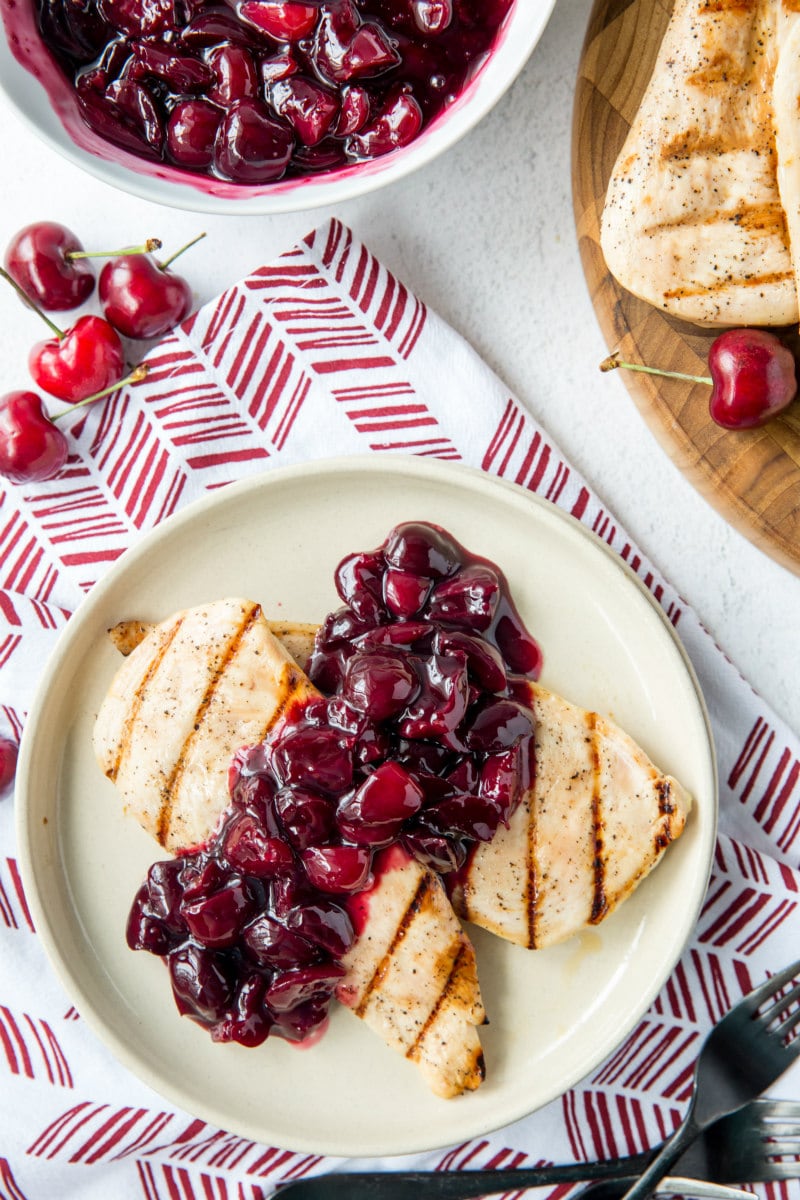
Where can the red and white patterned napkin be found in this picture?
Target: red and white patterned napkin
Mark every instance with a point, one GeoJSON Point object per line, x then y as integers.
{"type": "Point", "coordinates": [325, 353]}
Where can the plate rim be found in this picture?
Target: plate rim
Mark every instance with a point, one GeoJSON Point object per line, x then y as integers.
{"type": "Point", "coordinates": [399, 465]}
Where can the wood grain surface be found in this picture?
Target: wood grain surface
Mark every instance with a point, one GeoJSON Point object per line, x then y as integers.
{"type": "Point", "coordinates": [752, 477]}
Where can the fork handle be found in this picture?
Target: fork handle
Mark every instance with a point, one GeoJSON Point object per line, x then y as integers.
{"type": "Point", "coordinates": [459, 1185]}
{"type": "Point", "coordinates": [669, 1153]}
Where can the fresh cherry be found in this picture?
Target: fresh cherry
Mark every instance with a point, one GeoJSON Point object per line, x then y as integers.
{"type": "Point", "coordinates": [8, 761]}
{"type": "Point", "coordinates": [46, 260]}
{"type": "Point", "coordinates": [78, 362]}
{"type": "Point", "coordinates": [31, 447]}
{"type": "Point", "coordinates": [85, 359]}
{"type": "Point", "coordinates": [142, 298]}
{"type": "Point", "coordinates": [51, 268]}
{"type": "Point", "coordinates": [752, 377]}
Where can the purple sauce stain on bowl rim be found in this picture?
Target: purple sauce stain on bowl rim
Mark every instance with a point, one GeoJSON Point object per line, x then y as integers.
{"type": "Point", "coordinates": [27, 47]}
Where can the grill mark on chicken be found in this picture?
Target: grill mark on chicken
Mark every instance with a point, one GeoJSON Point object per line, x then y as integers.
{"type": "Point", "coordinates": [769, 219]}
{"type": "Point", "coordinates": [666, 808]}
{"type": "Point", "coordinates": [600, 899]}
{"type": "Point", "coordinates": [164, 821]}
{"type": "Point", "coordinates": [723, 6]}
{"type": "Point", "coordinates": [404, 924]}
{"type": "Point", "coordinates": [137, 700]}
{"type": "Point", "coordinates": [748, 281]}
{"type": "Point", "coordinates": [532, 880]}
{"type": "Point", "coordinates": [414, 1049]}
{"type": "Point", "coordinates": [696, 143]}
{"type": "Point", "coordinates": [293, 682]}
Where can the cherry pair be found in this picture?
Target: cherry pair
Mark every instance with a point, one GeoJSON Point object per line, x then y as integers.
{"type": "Point", "coordinates": [752, 377]}
{"type": "Point", "coordinates": [141, 298]}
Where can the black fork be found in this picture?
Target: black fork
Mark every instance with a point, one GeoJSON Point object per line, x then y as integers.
{"type": "Point", "coordinates": [743, 1055]}
{"type": "Point", "coordinates": [759, 1143]}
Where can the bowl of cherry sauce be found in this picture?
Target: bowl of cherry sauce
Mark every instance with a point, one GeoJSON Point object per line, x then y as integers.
{"type": "Point", "coordinates": [259, 105]}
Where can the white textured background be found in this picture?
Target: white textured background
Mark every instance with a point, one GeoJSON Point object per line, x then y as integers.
{"type": "Point", "coordinates": [486, 237]}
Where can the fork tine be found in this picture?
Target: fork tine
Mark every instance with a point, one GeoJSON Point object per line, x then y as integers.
{"type": "Point", "coordinates": [768, 990]}
{"type": "Point", "coordinates": [778, 1171]}
{"type": "Point", "coordinates": [790, 1023]}
{"type": "Point", "coordinates": [777, 1005]}
{"type": "Point", "coordinates": [779, 1146]}
{"type": "Point", "coordinates": [768, 1110]}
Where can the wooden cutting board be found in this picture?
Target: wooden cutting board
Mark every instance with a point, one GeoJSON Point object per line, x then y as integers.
{"type": "Point", "coordinates": [752, 477]}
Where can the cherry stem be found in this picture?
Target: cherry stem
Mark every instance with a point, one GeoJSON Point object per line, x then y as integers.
{"type": "Point", "coordinates": [136, 376]}
{"type": "Point", "coordinates": [149, 246]}
{"type": "Point", "coordinates": [162, 266]}
{"type": "Point", "coordinates": [613, 361]}
{"type": "Point", "coordinates": [25, 298]}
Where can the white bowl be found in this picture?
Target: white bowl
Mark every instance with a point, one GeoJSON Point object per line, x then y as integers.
{"type": "Point", "coordinates": [43, 97]}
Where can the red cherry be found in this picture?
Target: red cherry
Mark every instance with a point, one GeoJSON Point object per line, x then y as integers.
{"type": "Point", "coordinates": [8, 763]}
{"type": "Point", "coordinates": [753, 377]}
{"type": "Point", "coordinates": [39, 259]}
{"type": "Point", "coordinates": [432, 16]}
{"type": "Point", "coordinates": [142, 298]}
{"type": "Point", "coordinates": [88, 358]}
{"type": "Point", "coordinates": [285, 21]}
{"type": "Point", "coordinates": [396, 125]}
{"type": "Point", "coordinates": [31, 448]}
{"type": "Point", "coordinates": [251, 146]}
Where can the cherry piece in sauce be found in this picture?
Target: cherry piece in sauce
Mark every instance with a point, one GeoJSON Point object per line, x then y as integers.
{"type": "Point", "coordinates": [252, 146]}
{"type": "Point", "coordinates": [361, 78]}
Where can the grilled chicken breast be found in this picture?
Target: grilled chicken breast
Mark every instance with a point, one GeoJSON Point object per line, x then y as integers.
{"type": "Point", "coordinates": [200, 685]}
{"type": "Point", "coordinates": [412, 975]}
{"type": "Point", "coordinates": [597, 819]}
{"type": "Point", "coordinates": [192, 691]}
{"type": "Point", "coordinates": [786, 117]}
{"type": "Point", "coordinates": [694, 220]}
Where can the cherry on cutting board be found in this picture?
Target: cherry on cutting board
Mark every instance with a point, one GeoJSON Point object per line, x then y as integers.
{"type": "Point", "coordinates": [31, 447]}
{"type": "Point", "coordinates": [752, 377]}
{"type": "Point", "coordinates": [143, 298]}
{"type": "Point", "coordinates": [8, 763]}
{"type": "Point", "coordinates": [46, 261]}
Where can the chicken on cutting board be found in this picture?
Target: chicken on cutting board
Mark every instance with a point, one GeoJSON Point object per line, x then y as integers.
{"type": "Point", "coordinates": [701, 211]}
{"type": "Point", "coordinates": [196, 688]}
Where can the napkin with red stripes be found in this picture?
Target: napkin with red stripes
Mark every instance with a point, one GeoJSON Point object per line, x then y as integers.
{"type": "Point", "coordinates": [324, 352]}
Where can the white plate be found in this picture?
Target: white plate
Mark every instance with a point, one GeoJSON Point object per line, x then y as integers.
{"type": "Point", "coordinates": [555, 1014]}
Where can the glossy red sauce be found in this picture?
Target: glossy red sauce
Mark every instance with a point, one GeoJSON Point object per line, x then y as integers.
{"type": "Point", "coordinates": [256, 91]}
{"type": "Point", "coordinates": [420, 743]}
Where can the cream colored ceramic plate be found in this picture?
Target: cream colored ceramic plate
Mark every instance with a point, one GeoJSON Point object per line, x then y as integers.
{"type": "Point", "coordinates": [555, 1014]}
